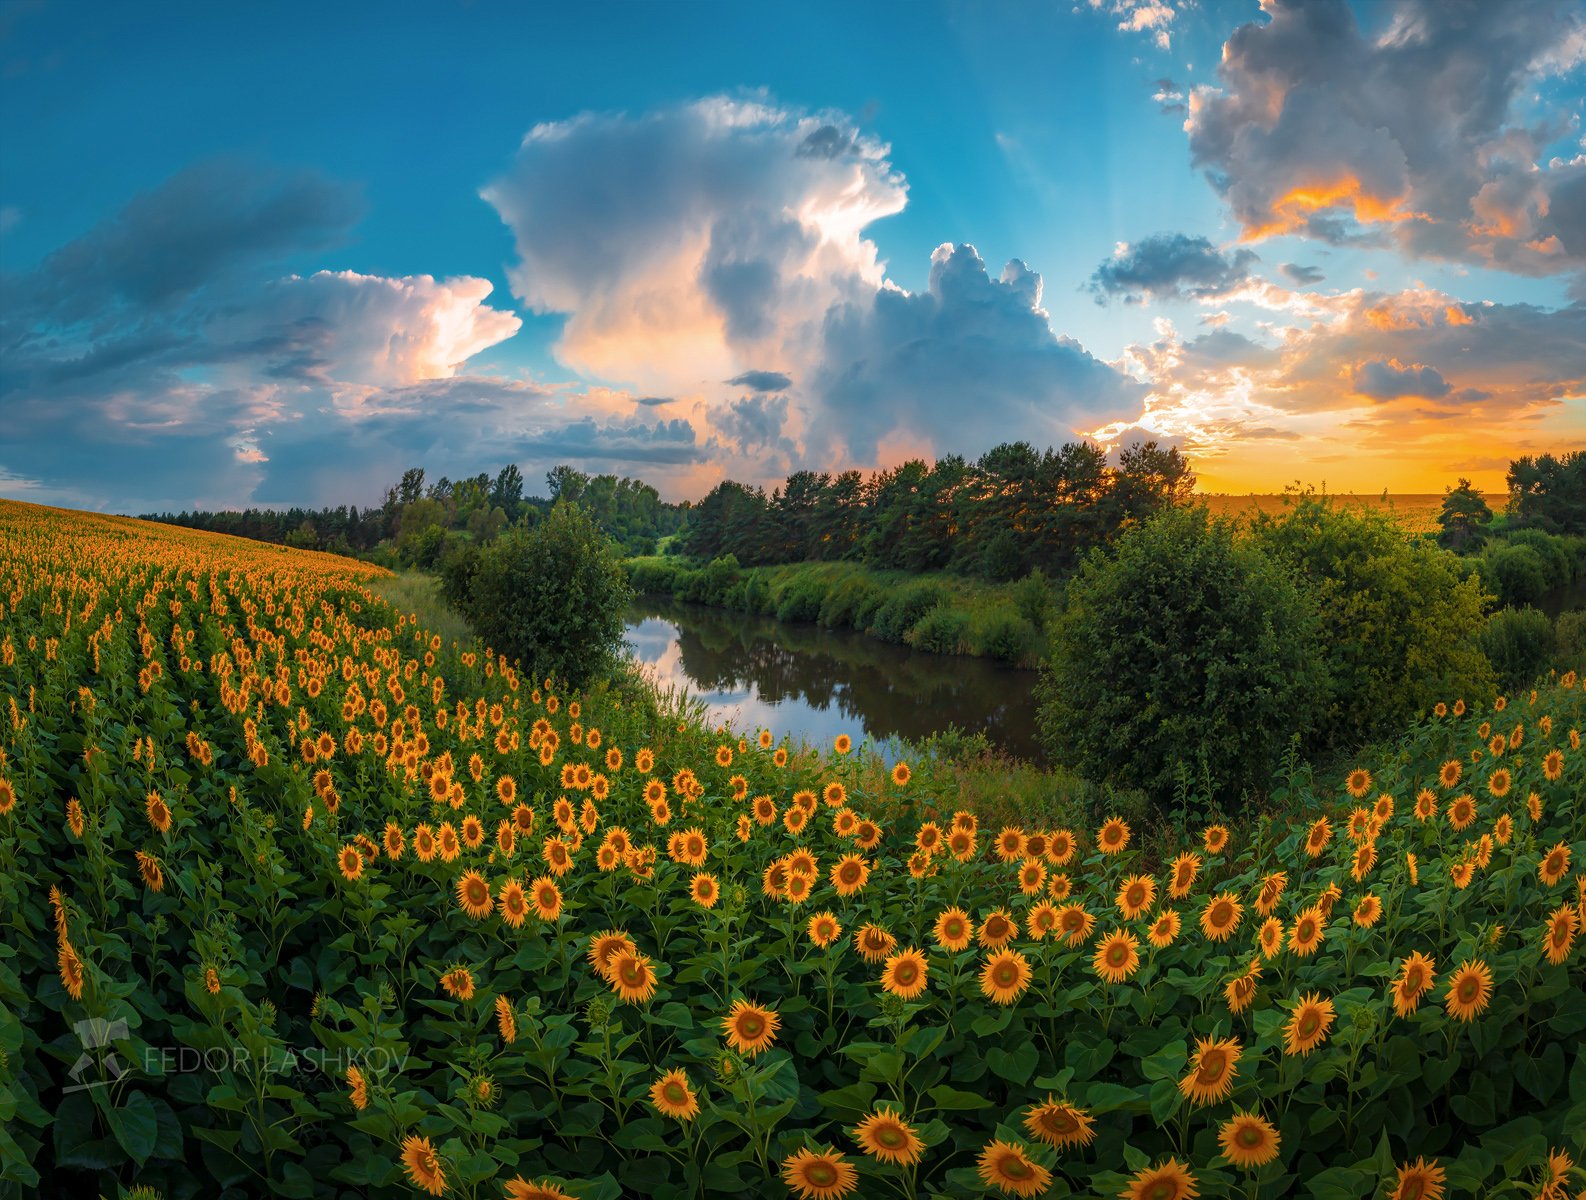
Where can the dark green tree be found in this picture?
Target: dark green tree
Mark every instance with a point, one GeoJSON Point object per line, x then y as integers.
{"type": "Point", "coordinates": [551, 597]}
{"type": "Point", "coordinates": [1188, 650]}
{"type": "Point", "coordinates": [1464, 518]}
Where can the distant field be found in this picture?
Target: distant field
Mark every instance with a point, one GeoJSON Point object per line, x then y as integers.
{"type": "Point", "coordinates": [1417, 512]}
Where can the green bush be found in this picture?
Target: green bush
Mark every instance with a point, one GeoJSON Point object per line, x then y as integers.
{"type": "Point", "coordinates": [1397, 623]}
{"type": "Point", "coordinates": [1003, 636]}
{"type": "Point", "coordinates": [651, 577]}
{"type": "Point", "coordinates": [1517, 575]}
{"type": "Point", "coordinates": [1519, 644]}
{"type": "Point", "coordinates": [847, 600]}
{"type": "Point", "coordinates": [802, 601]}
{"type": "Point", "coordinates": [551, 597]}
{"type": "Point", "coordinates": [1189, 647]}
{"type": "Point", "coordinates": [940, 631]}
{"type": "Point", "coordinates": [905, 609]}
{"type": "Point", "coordinates": [1570, 638]}
{"type": "Point", "coordinates": [1032, 596]}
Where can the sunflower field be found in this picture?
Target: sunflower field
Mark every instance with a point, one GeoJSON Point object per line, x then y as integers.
{"type": "Point", "coordinates": [299, 901]}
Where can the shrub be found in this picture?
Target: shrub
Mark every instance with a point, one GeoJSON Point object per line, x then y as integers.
{"type": "Point", "coordinates": [1570, 637]}
{"type": "Point", "coordinates": [1516, 574]}
{"type": "Point", "coordinates": [940, 631]}
{"type": "Point", "coordinates": [904, 610]}
{"type": "Point", "coordinates": [1397, 623]}
{"type": "Point", "coordinates": [1006, 637]}
{"type": "Point", "coordinates": [1188, 647]}
{"type": "Point", "coordinates": [1519, 644]}
{"type": "Point", "coordinates": [845, 602]}
{"type": "Point", "coordinates": [652, 577]}
{"type": "Point", "coordinates": [802, 601]}
{"type": "Point", "coordinates": [1032, 596]}
{"type": "Point", "coordinates": [552, 597]}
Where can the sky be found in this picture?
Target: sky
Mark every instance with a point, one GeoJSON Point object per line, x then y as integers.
{"type": "Point", "coordinates": [275, 254]}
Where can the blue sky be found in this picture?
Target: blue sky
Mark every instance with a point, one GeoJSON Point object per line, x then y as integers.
{"type": "Point", "coordinates": [357, 141]}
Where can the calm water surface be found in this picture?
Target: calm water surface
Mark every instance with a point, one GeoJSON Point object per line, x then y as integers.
{"type": "Point", "coordinates": [811, 683]}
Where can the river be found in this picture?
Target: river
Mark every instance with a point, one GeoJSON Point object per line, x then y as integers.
{"type": "Point", "coordinates": [811, 683]}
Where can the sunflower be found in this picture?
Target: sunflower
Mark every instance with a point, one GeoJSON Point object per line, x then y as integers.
{"type": "Point", "coordinates": [1059, 886]}
{"type": "Point", "coordinates": [506, 1020]}
{"type": "Point", "coordinates": [1241, 989]}
{"type": "Point", "coordinates": [1368, 910]}
{"type": "Point", "coordinates": [905, 973]}
{"type": "Point", "coordinates": [1060, 847]}
{"type": "Point", "coordinates": [1117, 956]}
{"type": "Point", "coordinates": [512, 903]}
{"type": "Point", "coordinates": [703, 890]}
{"type": "Point", "coordinates": [671, 1096]}
{"type": "Point", "coordinates": [1413, 981]}
{"type": "Point", "coordinates": [749, 1029]}
{"type": "Point", "coordinates": [1469, 990]}
{"type": "Point", "coordinates": [1271, 892]}
{"type": "Point", "coordinates": [849, 874]}
{"type": "Point", "coordinates": [1308, 1025]}
{"type": "Point", "coordinates": [473, 894]}
{"type": "Point", "coordinates": [351, 862]}
{"type": "Point", "coordinates": [1248, 1141]}
{"type": "Point", "coordinates": [1004, 1166]}
{"type": "Point", "coordinates": [1215, 839]}
{"type": "Point", "coordinates": [1309, 929]}
{"type": "Point", "coordinates": [1005, 976]}
{"type": "Point", "coordinates": [71, 969]}
{"type": "Point", "coordinates": [154, 875]}
{"type": "Point", "coordinates": [1420, 1180]}
{"type": "Point", "coordinates": [886, 1136]}
{"type": "Point", "coordinates": [1533, 806]}
{"type": "Point", "coordinates": [424, 843]}
{"type": "Point", "coordinates": [824, 929]}
{"type": "Point", "coordinates": [1059, 1123]}
{"type": "Point", "coordinates": [1562, 925]}
{"type": "Point", "coordinates": [1113, 836]}
{"type": "Point", "coordinates": [1136, 896]}
{"type": "Point", "coordinates": [1555, 1185]}
{"type": "Point", "coordinates": [558, 856]}
{"type": "Point", "coordinates": [816, 1174]}
{"type": "Point", "coordinates": [158, 812]}
{"type": "Point", "coordinates": [459, 983]}
{"type": "Point", "coordinates": [1213, 1066]}
{"type": "Point", "coordinates": [358, 1088]}
{"type": "Point", "coordinates": [1365, 860]}
{"type": "Point", "coordinates": [605, 948]}
{"type": "Point", "coordinates": [1221, 915]}
{"type": "Point", "coordinates": [1503, 829]}
{"type": "Point", "coordinates": [1165, 928]}
{"type": "Point", "coordinates": [1170, 1181]}
{"type": "Point", "coordinates": [1462, 811]}
{"type": "Point", "coordinates": [834, 794]}
{"type": "Point", "coordinates": [1554, 865]}
{"type": "Point", "coordinates": [423, 1165]}
{"type": "Point", "coordinates": [1185, 869]}
{"type": "Point", "coordinates": [1040, 921]}
{"type": "Point", "coordinates": [633, 977]}
{"type": "Point", "coordinates": [1317, 836]}
{"type": "Point", "coordinates": [1032, 877]}
{"type": "Point", "coordinates": [953, 929]}
{"type": "Point", "coordinates": [997, 930]}
{"type": "Point", "coordinates": [1075, 923]}
{"type": "Point", "coordinates": [473, 832]}
{"type": "Point", "coordinates": [446, 836]}
{"type": "Point", "coordinates": [1553, 765]}
{"type": "Point", "coordinates": [1359, 782]}
{"type": "Point", "coordinates": [547, 898]}
{"type": "Point", "coordinates": [874, 943]}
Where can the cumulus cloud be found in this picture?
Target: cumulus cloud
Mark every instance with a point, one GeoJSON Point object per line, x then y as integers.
{"type": "Point", "coordinates": [1409, 135]}
{"type": "Point", "coordinates": [1169, 266]}
{"type": "Point", "coordinates": [1152, 17]}
{"type": "Point", "coordinates": [1389, 379]}
{"type": "Point", "coordinates": [686, 244]}
{"type": "Point", "coordinates": [920, 363]}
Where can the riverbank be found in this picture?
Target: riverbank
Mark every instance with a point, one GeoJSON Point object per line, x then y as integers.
{"type": "Point", "coordinates": [933, 613]}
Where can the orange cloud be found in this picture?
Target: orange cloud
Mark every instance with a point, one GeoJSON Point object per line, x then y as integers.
{"type": "Point", "coordinates": [1290, 211]}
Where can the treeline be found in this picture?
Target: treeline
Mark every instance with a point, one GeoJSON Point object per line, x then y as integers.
{"type": "Point", "coordinates": [1012, 510]}
{"type": "Point", "coordinates": [419, 523]}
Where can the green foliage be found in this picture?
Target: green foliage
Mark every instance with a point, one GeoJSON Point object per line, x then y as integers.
{"type": "Point", "coordinates": [1516, 574]}
{"type": "Point", "coordinates": [802, 602]}
{"type": "Point", "coordinates": [1570, 635]}
{"type": "Point", "coordinates": [1519, 643]}
{"type": "Point", "coordinates": [1464, 518]}
{"type": "Point", "coordinates": [905, 609]}
{"type": "Point", "coordinates": [1398, 625]}
{"type": "Point", "coordinates": [1550, 491]}
{"type": "Point", "coordinates": [1188, 647]}
{"type": "Point", "coordinates": [941, 631]}
{"type": "Point", "coordinates": [1004, 636]}
{"type": "Point", "coordinates": [552, 597]}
